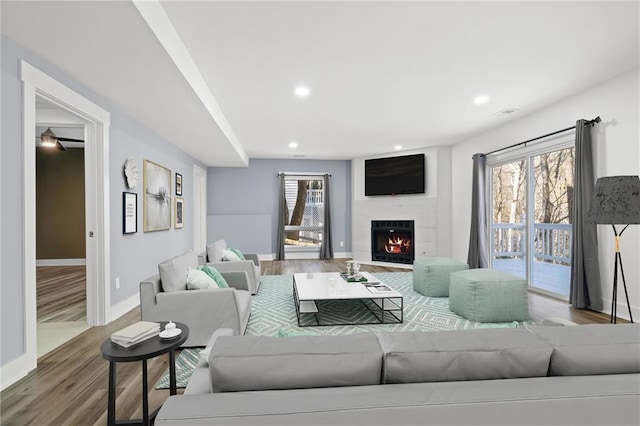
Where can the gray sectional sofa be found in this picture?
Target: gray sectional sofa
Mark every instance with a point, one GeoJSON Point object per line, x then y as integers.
{"type": "Point", "coordinates": [536, 375]}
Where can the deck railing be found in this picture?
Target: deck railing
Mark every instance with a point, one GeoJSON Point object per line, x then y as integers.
{"type": "Point", "coordinates": [551, 241]}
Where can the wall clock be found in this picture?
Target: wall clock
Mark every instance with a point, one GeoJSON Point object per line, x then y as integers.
{"type": "Point", "coordinates": [131, 172]}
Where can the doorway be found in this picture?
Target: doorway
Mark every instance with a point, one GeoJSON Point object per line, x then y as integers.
{"type": "Point", "coordinates": [60, 226]}
{"type": "Point", "coordinates": [96, 136]}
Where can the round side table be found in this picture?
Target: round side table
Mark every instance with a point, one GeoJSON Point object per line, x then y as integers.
{"type": "Point", "coordinates": [143, 351]}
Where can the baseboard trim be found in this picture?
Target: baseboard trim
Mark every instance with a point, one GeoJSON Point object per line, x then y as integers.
{"type": "Point", "coordinates": [15, 370]}
{"type": "Point", "coordinates": [61, 262]}
{"type": "Point", "coordinates": [122, 308]}
{"type": "Point", "coordinates": [623, 310]}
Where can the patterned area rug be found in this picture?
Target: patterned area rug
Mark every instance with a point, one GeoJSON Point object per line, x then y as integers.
{"type": "Point", "coordinates": [273, 311]}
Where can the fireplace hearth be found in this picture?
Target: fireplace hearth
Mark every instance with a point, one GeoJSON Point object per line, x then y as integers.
{"type": "Point", "coordinates": [392, 241]}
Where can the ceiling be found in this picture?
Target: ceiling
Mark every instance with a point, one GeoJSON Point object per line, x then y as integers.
{"type": "Point", "coordinates": [217, 79]}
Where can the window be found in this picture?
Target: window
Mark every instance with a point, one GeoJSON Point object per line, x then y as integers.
{"type": "Point", "coordinates": [531, 199]}
{"type": "Point", "coordinates": [304, 213]}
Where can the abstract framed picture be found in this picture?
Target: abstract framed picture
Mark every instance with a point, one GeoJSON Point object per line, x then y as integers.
{"type": "Point", "coordinates": [157, 197]}
{"type": "Point", "coordinates": [129, 213]}
{"type": "Point", "coordinates": [179, 216]}
{"type": "Point", "coordinates": [178, 184]}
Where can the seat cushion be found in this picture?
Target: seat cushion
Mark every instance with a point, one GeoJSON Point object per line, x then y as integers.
{"type": "Point", "coordinates": [214, 251]}
{"type": "Point", "coordinates": [431, 275]}
{"type": "Point", "coordinates": [244, 363]}
{"type": "Point", "coordinates": [488, 295]}
{"type": "Point", "coordinates": [445, 356]}
{"type": "Point", "coordinates": [584, 350]}
{"type": "Point", "coordinates": [174, 271]}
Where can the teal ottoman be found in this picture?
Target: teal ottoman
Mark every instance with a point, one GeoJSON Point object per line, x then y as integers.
{"type": "Point", "coordinates": [488, 295]}
{"type": "Point", "coordinates": [431, 275]}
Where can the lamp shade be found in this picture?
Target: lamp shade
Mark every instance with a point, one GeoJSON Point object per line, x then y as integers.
{"type": "Point", "coordinates": [616, 200]}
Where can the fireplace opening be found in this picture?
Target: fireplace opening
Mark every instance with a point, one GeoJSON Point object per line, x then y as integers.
{"type": "Point", "coordinates": [392, 241]}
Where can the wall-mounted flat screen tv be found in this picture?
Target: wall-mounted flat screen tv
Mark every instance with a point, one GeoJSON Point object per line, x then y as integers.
{"type": "Point", "coordinates": [394, 175]}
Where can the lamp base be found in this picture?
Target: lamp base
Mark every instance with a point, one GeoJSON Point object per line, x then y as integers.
{"type": "Point", "coordinates": [618, 260]}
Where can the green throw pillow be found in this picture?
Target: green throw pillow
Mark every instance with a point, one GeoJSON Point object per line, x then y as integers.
{"type": "Point", "coordinates": [290, 332]}
{"type": "Point", "coordinates": [238, 253]}
{"type": "Point", "coordinates": [214, 274]}
{"type": "Point", "coordinates": [230, 256]}
{"type": "Point", "coordinates": [199, 280]}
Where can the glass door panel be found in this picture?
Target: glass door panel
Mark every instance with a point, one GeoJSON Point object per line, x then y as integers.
{"type": "Point", "coordinates": [509, 218]}
{"type": "Point", "coordinates": [553, 196]}
{"type": "Point", "coordinates": [304, 214]}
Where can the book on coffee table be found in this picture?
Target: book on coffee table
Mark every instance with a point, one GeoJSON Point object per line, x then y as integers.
{"type": "Point", "coordinates": [135, 333]}
{"type": "Point", "coordinates": [378, 288]}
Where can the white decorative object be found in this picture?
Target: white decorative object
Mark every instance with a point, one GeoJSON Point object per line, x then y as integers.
{"type": "Point", "coordinates": [131, 172]}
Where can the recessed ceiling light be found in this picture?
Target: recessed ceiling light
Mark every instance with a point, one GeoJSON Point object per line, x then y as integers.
{"type": "Point", "coordinates": [302, 91]}
{"type": "Point", "coordinates": [481, 100]}
{"type": "Point", "coordinates": [397, 147]}
{"type": "Point", "coordinates": [293, 144]}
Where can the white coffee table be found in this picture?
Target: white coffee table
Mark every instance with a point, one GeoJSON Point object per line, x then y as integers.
{"type": "Point", "coordinates": [308, 289]}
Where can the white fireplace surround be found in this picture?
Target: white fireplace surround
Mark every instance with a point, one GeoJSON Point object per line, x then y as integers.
{"type": "Point", "coordinates": [431, 211]}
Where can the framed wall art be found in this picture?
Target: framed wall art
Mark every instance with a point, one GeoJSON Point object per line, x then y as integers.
{"type": "Point", "coordinates": [178, 184]}
{"type": "Point", "coordinates": [129, 213]}
{"type": "Point", "coordinates": [157, 197]}
{"type": "Point", "coordinates": [179, 217]}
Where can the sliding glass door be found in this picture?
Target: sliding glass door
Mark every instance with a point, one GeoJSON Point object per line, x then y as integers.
{"type": "Point", "coordinates": [531, 199]}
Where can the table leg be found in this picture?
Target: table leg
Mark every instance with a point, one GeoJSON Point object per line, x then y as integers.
{"type": "Point", "coordinates": [111, 408]}
{"type": "Point", "coordinates": [145, 395]}
{"type": "Point", "coordinates": [172, 372]}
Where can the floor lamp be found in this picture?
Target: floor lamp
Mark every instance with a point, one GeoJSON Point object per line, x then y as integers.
{"type": "Point", "coordinates": [616, 200]}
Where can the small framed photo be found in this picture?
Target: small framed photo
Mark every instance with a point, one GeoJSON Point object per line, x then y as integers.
{"type": "Point", "coordinates": [129, 213]}
{"type": "Point", "coordinates": [178, 184]}
{"type": "Point", "coordinates": [179, 219]}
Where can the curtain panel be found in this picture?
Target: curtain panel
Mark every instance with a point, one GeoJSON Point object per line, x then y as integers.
{"type": "Point", "coordinates": [585, 290]}
{"type": "Point", "coordinates": [478, 256]}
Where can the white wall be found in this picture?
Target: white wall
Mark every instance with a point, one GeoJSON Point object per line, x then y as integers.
{"type": "Point", "coordinates": [431, 211]}
{"type": "Point", "coordinates": [616, 150]}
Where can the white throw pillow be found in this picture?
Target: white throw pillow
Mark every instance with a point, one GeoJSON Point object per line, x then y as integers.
{"type": "Point", "coordinates": [198, 280]}
{"type": "Point", "coordinates": [229, 256]}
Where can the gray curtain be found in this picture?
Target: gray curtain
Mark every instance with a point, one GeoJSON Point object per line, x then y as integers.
{"type": "Point", "coordinates": [281, 219]}
{"type": "Point", "coordinates": [585, 289]}
{"type": "Point", "coordinates": [326, 248]}
{"type": "Point", "coordinates": [478, 256]}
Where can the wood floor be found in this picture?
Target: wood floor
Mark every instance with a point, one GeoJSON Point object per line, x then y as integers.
{"type": "Point", "coordinates": [61, 293]}
{"type": "Point", "coordinates": [69, 386]}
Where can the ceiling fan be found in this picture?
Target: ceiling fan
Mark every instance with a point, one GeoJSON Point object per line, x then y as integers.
{"type": "Point", "coordinates": [49, 139]}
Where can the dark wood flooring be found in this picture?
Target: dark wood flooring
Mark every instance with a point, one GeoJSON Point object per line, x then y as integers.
{"type": "Point", "coordinates": [61, 293]}
{"type": "Point", "coordinates": [69, 386]}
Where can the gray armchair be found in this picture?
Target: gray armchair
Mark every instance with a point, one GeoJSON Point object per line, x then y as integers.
{"type": "Point", "coordinates": [203, 311]}
{"type": "Point", "coordinates": [213, 257]}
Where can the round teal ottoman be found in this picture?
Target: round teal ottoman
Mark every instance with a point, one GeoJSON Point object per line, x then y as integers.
{"type": "Point", "coordinates": [488, 295]}
{"type": "Point", "coordinates": [431, 275]}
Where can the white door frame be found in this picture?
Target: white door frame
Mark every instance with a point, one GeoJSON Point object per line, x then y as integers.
{"type": "Point", "coordinates": [199, 209]}
{"type": "Point", "coordinates": [36, 83]}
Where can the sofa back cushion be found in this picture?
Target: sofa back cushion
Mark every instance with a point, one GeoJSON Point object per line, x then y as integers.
{"type": "Point", "coordinates": [214, 251]}
{"type": "Point", "coordinates": [173, 272]}
{"type": "Point", "coordinates": [443, 356]}
{"type": "Point", "coordinates": [584, 350]}
{"type": "Point", "coordinates": [245, 363]}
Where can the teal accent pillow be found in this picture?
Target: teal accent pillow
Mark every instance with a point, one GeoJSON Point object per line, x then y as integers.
{"type": "Point", "coordinates": [238, 253]}
{"type": "Point", "coordinates": [198, 280]}
{"type": "Point", "coordinates": [290, 332]}
{"type": "Point", "coordinates": [215, 275]}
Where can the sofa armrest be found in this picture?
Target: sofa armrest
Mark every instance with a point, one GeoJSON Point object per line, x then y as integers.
{"type": "Point", "coordinates": [149, 288]}
{"type": "Point", "coordinates": [253, 257]}
{"type": "Point", "coordinates": [202, 258]}
{"type": "Point", "coordinates": [237, 279]}
{"type": "Point", "coordinates": [211, 306]}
